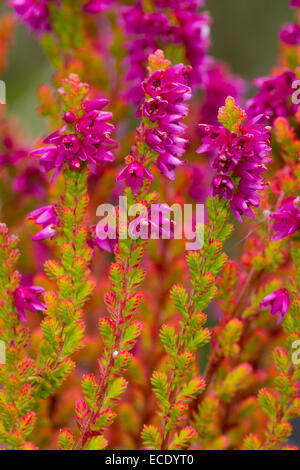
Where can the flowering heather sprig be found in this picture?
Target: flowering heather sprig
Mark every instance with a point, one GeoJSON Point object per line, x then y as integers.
{"type": "Point", "coordinates": [179, 384]}
{"type": "Point", "coordinates": [241, 148]}
{"type": "Point", "coordinates": [63, 326]}
{"type": "Point", "coordinates": [237, 370]}
{"type": "Point", "coordinates": [84, 138]}
{"type": "Point", "coordinates": [281, 404]}
{"type": "Point", "coordinates": [119, 331]}
{"type": "Point", "coordinates": [17, 419]}
{"type": "Point", "coordinates": [163, 111]}
{"type": "Point", "coordinates": [228, 406]}
{"type": "Point", "coordinates": [160, 135]}
{"type": "Point", "coordinates": [274, 97]}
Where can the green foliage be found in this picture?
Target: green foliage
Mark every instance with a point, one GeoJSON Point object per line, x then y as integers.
{"type": "Point", "coordinates": [229, 338]}
{"type": "Point", "coordinates": [231, 115]}
{"type": "Point", "coordinates": [236, 380]}
{"type": "Point", "coordinates": [63, 327]}
{"type": "Point", "coordinates": [183, 439]}
{"type": "Point", "coordinates": [96, 443]}
{"type": "Point", "coordinates": [178, 387]}
{"type": "Point", "coordinates": [151, 437]}
{"type": "Point", "coordinates": [17, 418]}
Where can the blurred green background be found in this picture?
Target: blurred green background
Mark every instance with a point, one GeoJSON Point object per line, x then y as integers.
{"type": "Point", "coordinates": [244, 33]}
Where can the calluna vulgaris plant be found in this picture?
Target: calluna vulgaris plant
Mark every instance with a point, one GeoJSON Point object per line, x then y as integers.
{"type": "Point", "coordinates": [130, 341]}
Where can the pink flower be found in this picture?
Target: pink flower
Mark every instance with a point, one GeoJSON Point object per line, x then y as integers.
{"type": "Point", "coordinates": [26, 298]}
{"type": "Point", "coordinates": [96, 6]}
{"type": "Point", "coordinates": [34, 13]}
{"type": "Point", "coordinates": [46, 217]}
{"type": "Point", "coordinates": [274, 97]}
{"type": "Point", "coordinates": [104, 238]}
{"type": "Point", "coordinates": [278, 302]}
{"type": "Point", "coordinates": [290, 34]}
{"type": "Point", "coordinates": [287, 219]}
{"type": "Point", "coordinates": [156, 223]}
{"type": "Point", "coordinates": [223, 186]}
{"type": "Point", "coordinates": [134, 175]}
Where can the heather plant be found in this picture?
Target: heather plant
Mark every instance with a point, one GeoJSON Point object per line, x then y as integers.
{"type": "Point", "coordinates": [115, 332]}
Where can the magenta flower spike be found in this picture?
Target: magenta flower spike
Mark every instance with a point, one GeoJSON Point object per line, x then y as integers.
{"type": "Point", "coordinates": [134, 175]}
{"type": "Point", "coordinates": [240, 158]}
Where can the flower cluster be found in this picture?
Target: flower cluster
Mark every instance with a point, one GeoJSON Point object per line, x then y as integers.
{"type": "Point", "coordinates": [165, 108]}
{"type": "Point", "coordinates": [89, 140]}
{"type": "Point", "coordinates": [134, 174]}
{"type": "Point", "coordinates": [163, 111]}
{"type": "Point", "coordinates": [241, 153]}
{"type": "Point", "coordinates": [35, 13]}
{"type": "Point", "coordinates": [148, 30]}
{"type": "Point", "coordinates": [96, 6]}
{"type": "Point", "coordinates": [274, 97]}
{"type": "Point", "coordinates": [295, 3]}
{"type": "Point", "coordinates": [287, 219]}
{"type": "Point", "coordinates": [290, 34]}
